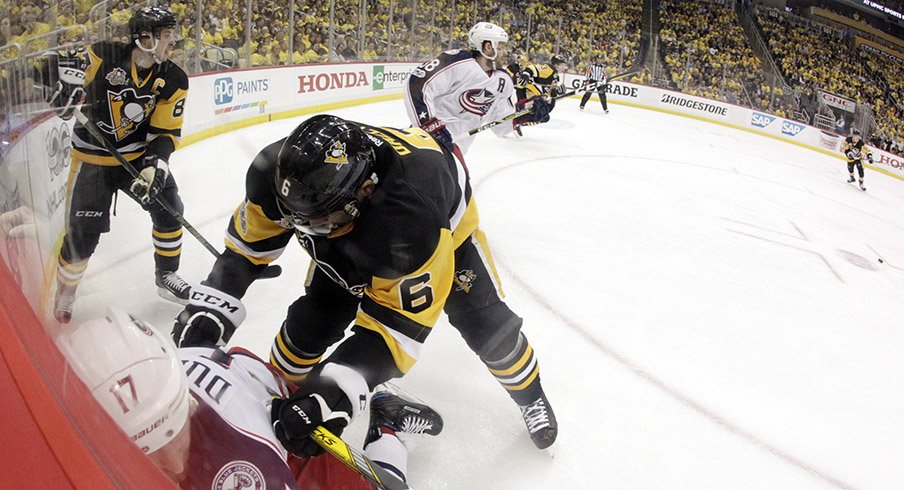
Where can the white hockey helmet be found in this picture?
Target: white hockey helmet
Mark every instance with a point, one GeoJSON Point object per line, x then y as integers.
{"type": "Point", "coordinates": [486, 31]}
{"type": "Point", "coordinates": [134, 372]}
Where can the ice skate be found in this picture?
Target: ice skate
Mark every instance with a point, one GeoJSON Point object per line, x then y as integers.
{"type": "Point", "coordinates": [400, 415]}
{"type": "Point", "coordinates": [62, 302]}
{"type": "Point", "coordinates": [541, 422]}
{"type": "Point", "coordinates": [862, 187]}
{"type": "Point", "coordinates": [172, 287]}
{"type": "Point", "coordinates": [851, 179]}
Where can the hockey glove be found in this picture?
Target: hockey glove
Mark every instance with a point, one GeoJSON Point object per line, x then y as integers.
{"type": "Point", "coordinates": [869, 157]}
{"type": "Point", "coordinates": [151, 179]}
{"type": "Point", "coordinates": [540, 109]}
{"type": "Point", "coordinates": [331, 398]}
{"type": "Point", "coordinates": [209, 319]}
{"type": "Point", "coordinates": [438, 130]}
{"type": "Point", "coordinates": [63, 76]}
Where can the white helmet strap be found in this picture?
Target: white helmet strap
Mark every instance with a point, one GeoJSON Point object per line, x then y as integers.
{"type": "Point", "coordinates": [152, 50]}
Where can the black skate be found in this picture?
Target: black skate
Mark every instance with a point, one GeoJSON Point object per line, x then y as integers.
{"type": "Point", "coordinates": [851, 179]}
{"type": "Point", "coordinates": [541, 422]}
{"type": "Point", "coordinates": [62, 302]}
{"type": "Point", "coordinates": [172, 287]}
{"type": "Point", "coordinates": [400, 415]}
{"type": "Point", "coordinates": [862, 187]}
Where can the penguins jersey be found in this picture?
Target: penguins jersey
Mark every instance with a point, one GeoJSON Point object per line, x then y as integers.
{"type": "Point", "coordinates": [456, 90]}
{"type": "Point", "coordinates": [537, 79]}
{"type": "Point", "coordinates": [398, 256]}
{"type": "Point", "coordinates": [138, 109]}
{"type": "Point", "coordinates": [854, 152]}
{"type": "Point", "coordinates": [232, 440]}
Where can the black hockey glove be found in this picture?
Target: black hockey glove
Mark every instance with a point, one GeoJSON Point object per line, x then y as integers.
{"type": "Point", "coordinates": [62, 74]}
{"type": "Point", "coordinates": [540, 110]}
{"type": "Point", "coordinates": [438, 130]}
{"type": "Point", "coordinates": [151, 179]}
{"type": "Point", "coordinates": [331, 397]}
{"type": "Point", "coordinates": [209, 319]}
{"type": "Point", "coordinates": [869, 157]}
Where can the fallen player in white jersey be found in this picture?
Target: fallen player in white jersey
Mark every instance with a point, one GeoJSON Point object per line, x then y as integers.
{"type": "Point", "coordinates": [202, 414]}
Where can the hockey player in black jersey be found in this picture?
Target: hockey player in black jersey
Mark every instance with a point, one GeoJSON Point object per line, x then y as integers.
{"type": "Point", "coordinates": [136, 97]}
{"type": "Point", "coordinates": [854, 150]}
{"type": "Point", "coordinates": [538, 79]}
{"type": "Point", "coordinates": [388, 218]}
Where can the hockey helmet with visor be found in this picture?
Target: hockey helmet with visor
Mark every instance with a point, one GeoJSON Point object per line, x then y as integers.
{"type": "Point", "coordinates": [320, 167]}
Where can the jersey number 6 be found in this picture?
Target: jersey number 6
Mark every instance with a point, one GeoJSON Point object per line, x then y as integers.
{"type": "Point", "coordinates": [416, 293]}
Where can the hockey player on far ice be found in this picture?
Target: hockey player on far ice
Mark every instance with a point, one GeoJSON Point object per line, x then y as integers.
{"type": "Point", "coordinates": [136, 96]}
{"type": "Point", "coordinates": [202, 416]}
{"type": "Point", "coordinates": [389, 219]}
{"type": "Point", "coordinates": [461, 90]}
{"type": "Point", "coordinates": [854, 150]}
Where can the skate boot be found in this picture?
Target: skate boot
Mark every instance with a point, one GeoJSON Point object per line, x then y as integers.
{"type": "Point", "coordinates": [172, 287]}
{"type": "Point", "coordinates": [62, 302]}
{"type": "Point", "coordinates": [388, 410]}
{"type": "Point", "coordinates": [541, 422]}
{"type": "Point", "coordinates": [862, 187]}
{"type": "Point", "coordinates": [581, 107]}
{"type": "Point", "coordinates": [851, 179]}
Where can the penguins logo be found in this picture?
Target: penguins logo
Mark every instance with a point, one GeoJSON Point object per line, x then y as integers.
{"type": "Point", "coordinates": [336, 154]}
{"type": "Point", "coordinates": [464, 279]}
{"type": "Point", "coordinates": [476, 101]}
{"type": "Point", "coordinates": [127, 111]}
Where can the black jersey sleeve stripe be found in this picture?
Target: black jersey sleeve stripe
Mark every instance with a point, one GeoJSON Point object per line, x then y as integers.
{"type": "Point", "coordinates": [400, 323]}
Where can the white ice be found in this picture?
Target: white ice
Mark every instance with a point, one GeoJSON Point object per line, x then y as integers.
{"type": "Point", "coordinates": [707, 305]}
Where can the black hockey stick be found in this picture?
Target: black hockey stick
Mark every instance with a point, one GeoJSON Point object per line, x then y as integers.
{"type": "Point", "coordinates": [583, 88]}
{"type": "Point", "coordinates": [270, 271]}
{"type": "Point", "coordinates": [357, 461]}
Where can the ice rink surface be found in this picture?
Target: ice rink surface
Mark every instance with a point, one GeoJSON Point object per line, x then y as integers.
{"type": "Point", "coordinates": [707, 305]}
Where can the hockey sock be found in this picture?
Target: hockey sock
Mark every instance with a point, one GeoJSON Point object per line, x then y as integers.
{"type": "Point", "coordinates": [294, 363]}
{"type": "Point", "coordinates": [389, 452]}
{"type": "Point", "coordinates": [167, 248]}
{"type": "Point", "coordinates": [518, 372]}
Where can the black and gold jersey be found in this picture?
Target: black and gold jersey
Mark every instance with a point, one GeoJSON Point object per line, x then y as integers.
{"type": "Point", "coordinates": [139, 109]}
{"type": "Point", "coordinates": [398, 256]}
{"type": "Point", "coordinates": [854, 152]}
{"type": "Point", "coordinates": [538, 77]}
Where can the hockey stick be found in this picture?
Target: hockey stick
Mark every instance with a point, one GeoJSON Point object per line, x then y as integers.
{"type": "Point", "coordinates": [584, 88]}
{"type": "Point", "coordinates": [270, 271]}
{"type": "Point", "coordinates": [357, 461]}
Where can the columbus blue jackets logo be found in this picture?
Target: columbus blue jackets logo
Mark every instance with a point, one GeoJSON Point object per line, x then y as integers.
{"type": "Point", "coordinates": [127, 111]}
{"type": "Point", "coordinates": [239, 475]}
{"type": "Point", "coordinates": [476, 101]}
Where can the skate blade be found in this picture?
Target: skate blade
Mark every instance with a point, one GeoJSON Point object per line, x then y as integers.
{"type": "Point", "coordinates": [550, 451]}
{"type": "Point", "coordinates": [167, 295]}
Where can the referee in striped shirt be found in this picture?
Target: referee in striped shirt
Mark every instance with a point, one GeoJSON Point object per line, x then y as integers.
{"type": "Point", "coordinates": [596, 73]}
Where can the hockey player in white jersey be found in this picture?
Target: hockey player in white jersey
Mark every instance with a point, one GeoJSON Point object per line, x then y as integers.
{"type": "Point", "coordinates": [202, 414]}
{"type": "Point", "coordinates": [461, 90]}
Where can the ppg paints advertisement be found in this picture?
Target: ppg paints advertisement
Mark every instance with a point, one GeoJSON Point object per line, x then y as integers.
{"type": "Point", "coordinates": [225, 97]}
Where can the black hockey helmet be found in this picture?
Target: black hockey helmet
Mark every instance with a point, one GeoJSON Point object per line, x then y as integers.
{"type": "Point", "coordinates": [557, 60]}
{"type": "Point", "coordinates": [151, 19]}
{"type": "Point", "coordinates": [319, 168]}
